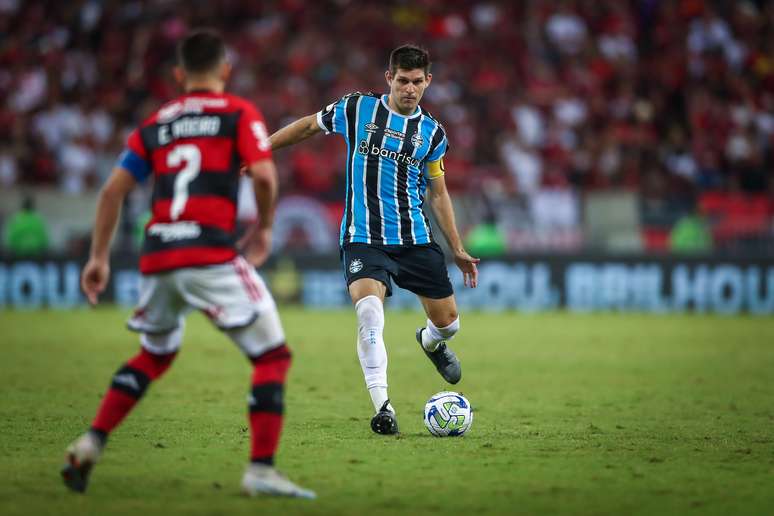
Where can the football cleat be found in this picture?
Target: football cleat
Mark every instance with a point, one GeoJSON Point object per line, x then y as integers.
{"type": "Point", "coordinates": [444, 359]}
{"type": "Point", "coordinates": [385, 422]}
{"type": "Point", "coordinates": [261, 479]}
{"type": "Point", "coordinates": [82, 454]}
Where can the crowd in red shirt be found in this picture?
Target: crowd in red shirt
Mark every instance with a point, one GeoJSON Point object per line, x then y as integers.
{"type": "Point", "coordinates": [669, 99]}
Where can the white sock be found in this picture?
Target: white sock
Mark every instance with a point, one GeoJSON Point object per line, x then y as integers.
{"type": "Point", "coordinates": [433, 336]}
{"type": "Point", "coordinates": [370, 348]}
{"type": "Point", "coordinates": [378, 397]}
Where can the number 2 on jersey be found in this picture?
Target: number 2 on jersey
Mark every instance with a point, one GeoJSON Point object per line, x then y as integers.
{"type": "Point", "coordinates": [192, 156]}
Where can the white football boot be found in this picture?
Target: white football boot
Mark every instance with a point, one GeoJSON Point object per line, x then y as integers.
{"type": "Point", "coordinates": [82, 454]}
{"type": "Point", "coordinates": [260, 479]}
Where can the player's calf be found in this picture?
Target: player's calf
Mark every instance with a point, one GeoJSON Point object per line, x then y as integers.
{"type": "Point", "coordinates": [266, 403]}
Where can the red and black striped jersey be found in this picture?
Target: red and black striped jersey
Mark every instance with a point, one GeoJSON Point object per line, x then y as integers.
{"type": "Point", "coordinates": [194, 147]}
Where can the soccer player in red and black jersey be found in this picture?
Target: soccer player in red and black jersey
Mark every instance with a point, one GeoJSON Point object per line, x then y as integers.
{"type": "Point", "coordinates": [193, 148]}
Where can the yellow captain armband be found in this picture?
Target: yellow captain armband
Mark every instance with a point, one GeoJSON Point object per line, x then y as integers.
{"type": "Point", "coordinates": [435, 169]}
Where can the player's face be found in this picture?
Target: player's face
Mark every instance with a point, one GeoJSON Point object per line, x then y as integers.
{"type": "Point", "coordinates": [407, 87]}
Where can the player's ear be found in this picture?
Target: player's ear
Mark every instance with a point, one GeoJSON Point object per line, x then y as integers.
{"type": "Point", "coordinates": [225, 71]}
{"type": "Point", "coordinates": [428, 78]}
{"type": "Point", "coordinates": [179, 74]}
{"type": "Point", "coordinates": [388, 77]}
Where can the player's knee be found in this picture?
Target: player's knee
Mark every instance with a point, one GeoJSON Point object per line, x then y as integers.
{"type": "Point", "coordinates": [262, 336]}
{"type": "Point", "coordinates": [370, 312]}
{"type": "Point", "coordinates": [152, 364]}
{"type": "Point", "coordinates": [451, 327]}
{"type": "Point", "coordinates": [162, 343]}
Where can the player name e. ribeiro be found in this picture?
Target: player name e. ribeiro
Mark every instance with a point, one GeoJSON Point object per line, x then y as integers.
{"type": "Point", "coordinates": [189, 127]}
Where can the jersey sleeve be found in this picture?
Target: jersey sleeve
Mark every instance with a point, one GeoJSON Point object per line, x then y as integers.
{"type": "Point", "coordinates": [252, 137]}
{"type": "Point", "coordinates": [134, 159]}
{"type": "Point", "coordinates": [439, 146]}
{"type": "Point", "coordinates": [333, 117]}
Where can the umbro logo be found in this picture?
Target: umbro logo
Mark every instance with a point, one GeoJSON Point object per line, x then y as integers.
{"type": "Point", "coordinates": [355, 266]}
{"type": "Point", "coordinates": [128, 380]}
{"type": "Point", "coordinates": [371, 127]}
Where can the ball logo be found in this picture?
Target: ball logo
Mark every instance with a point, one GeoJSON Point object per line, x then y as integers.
{"type": "Point", "coordinates": [355, 266]}
{"type": "Point", "coordinates": [417, 140]}
{"type": "Point", "coordinates": [447, 418]}
{"type": "Point", "coordinates": [448, 414]}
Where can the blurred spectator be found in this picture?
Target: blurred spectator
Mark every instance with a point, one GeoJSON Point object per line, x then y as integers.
{"type": "Point", "coordinates": [667, 99]}
{"type": "Point", "coordinates": [26, 235]}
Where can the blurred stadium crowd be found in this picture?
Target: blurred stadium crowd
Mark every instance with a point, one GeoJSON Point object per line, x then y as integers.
{"type": "Point", "coordinates": [566, 117]}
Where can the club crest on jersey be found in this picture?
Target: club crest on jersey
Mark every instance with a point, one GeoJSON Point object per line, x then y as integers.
{"type": "Point", "coordinates": [355, 266]}
{"type": "Point", "coordinates": [371, 127]}
{"type": "Point", "coordinates": [417, 140]}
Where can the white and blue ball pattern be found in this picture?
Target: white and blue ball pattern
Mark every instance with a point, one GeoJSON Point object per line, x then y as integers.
{"type": "Point", "coordinates": [448, 414]}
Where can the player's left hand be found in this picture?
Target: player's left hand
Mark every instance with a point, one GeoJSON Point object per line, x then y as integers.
{"type": "Point", "coordinates": [94, 279]}
{"type": "Point", "coordinates": [256, 245]}
{"type": "Point", "coordinates": [467, 264]}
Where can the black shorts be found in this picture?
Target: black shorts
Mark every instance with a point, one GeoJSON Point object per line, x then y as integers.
{"type": "Point", "coordinates": [419, 268]}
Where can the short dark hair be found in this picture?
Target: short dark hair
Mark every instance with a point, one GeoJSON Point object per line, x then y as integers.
{"type": "Point", "coordinates": [409, 57]}
{"type": "Point", "coordinates": [201, 51]}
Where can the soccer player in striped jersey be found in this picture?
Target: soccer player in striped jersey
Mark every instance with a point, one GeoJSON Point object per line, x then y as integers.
{"type": "Point", "coordinates": [193, 148]}
{"type": "Point", "coordinates": [395, 151]}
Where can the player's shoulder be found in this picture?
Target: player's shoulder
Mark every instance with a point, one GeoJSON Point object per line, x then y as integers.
{"type": "Point", "coordinates": [236, 102]}
{"type": "Point", "coordinates": [434, 120]}
{"type": "Point", "coordinates": [430, 116]}
{"type": "Point", "coordinates": [197, 104]}
{"type": "Point", "coordinates": [346, 100]}
{"type": "Point", "coordinates": [357, 94]}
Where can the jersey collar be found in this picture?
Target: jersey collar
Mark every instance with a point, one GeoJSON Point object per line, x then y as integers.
{"type": "Point", "coordinates": [387, 105]}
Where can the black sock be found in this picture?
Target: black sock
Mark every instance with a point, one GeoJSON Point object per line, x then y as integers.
{"type": "Point", "coordinates": [101, 436]}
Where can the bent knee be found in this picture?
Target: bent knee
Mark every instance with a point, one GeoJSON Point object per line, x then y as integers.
{"type": "Point", "coordinates": [447, 319]}
{"type": "Point", "coordinates": [370, 312]}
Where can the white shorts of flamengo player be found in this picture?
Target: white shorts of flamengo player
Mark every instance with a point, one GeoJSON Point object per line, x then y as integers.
{"type": "Point", "coordinates": [232, 295]}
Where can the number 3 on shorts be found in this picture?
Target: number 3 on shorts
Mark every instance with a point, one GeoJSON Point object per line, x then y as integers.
{"type": "Point", "coordinates": [192, 157]}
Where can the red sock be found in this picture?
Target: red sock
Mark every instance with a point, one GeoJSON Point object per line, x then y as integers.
{"type": "Point", "coordinates": [267, 404]}
{"type": "Point", "coordinates": [129, 384]}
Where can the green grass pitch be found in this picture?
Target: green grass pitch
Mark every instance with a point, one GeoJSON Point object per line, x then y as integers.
{"type": "Point", "coordinates": [575, 414]}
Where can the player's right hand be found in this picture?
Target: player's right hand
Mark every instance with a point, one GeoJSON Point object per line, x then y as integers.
{"type": "Point", "coordinates": [94, 278]}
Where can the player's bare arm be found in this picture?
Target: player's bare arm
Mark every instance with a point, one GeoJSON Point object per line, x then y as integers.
{"type": "Point", "coordinates": [298, 131]}
{"type": "Point", "coordinates": [96, 272]}
{"type": "Point", "coordinates": [440, 203]}
{"type": "Point", "coordinates": [256, 243]}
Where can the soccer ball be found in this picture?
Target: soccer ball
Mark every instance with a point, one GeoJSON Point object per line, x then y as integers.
{"type": "Point", "coordinates": [448, 414]}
